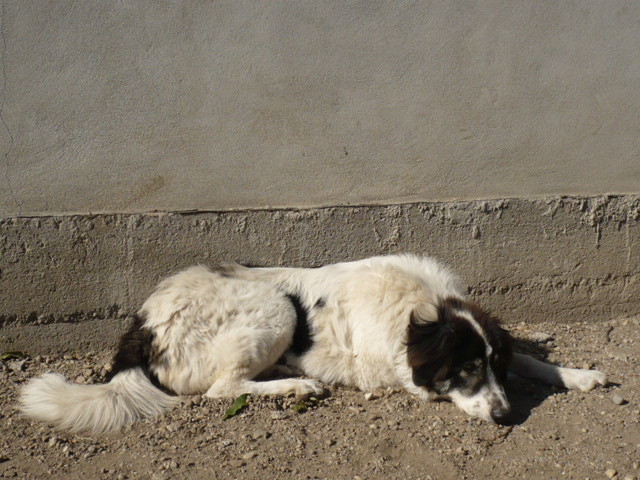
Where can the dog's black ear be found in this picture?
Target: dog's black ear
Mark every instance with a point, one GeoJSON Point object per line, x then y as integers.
{"type": "Point", "coordinates": [499, 339]}
{"type": "Point", "coordinates": [429, 345]}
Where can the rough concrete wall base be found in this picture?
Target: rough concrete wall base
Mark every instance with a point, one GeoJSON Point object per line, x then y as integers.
{"type": "Point", "coordinates": [70, 281]}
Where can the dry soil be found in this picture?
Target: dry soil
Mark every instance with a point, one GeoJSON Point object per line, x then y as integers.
{"type": "Point", "coordinates": [347, 435]}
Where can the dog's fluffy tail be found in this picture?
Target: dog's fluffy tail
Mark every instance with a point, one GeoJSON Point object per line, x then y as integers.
{"type": "Point", "coordinates": [95, 409]}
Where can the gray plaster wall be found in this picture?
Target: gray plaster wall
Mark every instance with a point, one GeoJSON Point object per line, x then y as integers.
{"type": "Point", "coordinates": [147, 105]}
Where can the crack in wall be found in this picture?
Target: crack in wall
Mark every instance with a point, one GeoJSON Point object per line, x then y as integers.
{"type": "Point", "coordinates": [3, 69]}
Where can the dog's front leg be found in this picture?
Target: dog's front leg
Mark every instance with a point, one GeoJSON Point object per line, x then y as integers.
{"type": "Point", "coordinates": [573, 378]}
{"type": "Point", "coordinates": [231, 387]}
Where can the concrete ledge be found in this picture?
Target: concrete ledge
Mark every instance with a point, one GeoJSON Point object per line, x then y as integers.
{"type": "Point", "coordinates": [77, 277]}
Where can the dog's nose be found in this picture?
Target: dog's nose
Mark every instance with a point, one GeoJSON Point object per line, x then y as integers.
{"type": "Point", "coordinates": [501, 414]}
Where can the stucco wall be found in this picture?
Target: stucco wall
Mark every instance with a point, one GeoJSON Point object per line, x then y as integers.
{"type": "Point", "coordinates": [136, 106]}
{"type": "Point", "coordinates": [68, 282]}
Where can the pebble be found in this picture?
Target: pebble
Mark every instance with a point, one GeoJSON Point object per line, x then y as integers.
{"type": "Point", "coordinates": [258, 434]}
{"type": "Point", "coordinates": [249, 455]}
{"type": "Point", "coordinates": [17, 365]}
{"type": "Point", "coordinates": [610, 473]}
{"type": "Point", "coordinates": [617, 399]}
{"type": "Point", "coordinates": [173, 427]}
{"type": "Point", "coordinates": [237, 463]}
{"type": "Point", "coordinates": [161, 476]}
{"type": "Point", "coordinates": [370, 396]}
{"type": "Point", "coordinates": [541, 337]}
{"type": "Point", "coordinates": [278, 416]}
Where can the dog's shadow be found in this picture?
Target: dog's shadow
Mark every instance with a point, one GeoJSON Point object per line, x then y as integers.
{"type": "Point", "coordinates": [526, 394]}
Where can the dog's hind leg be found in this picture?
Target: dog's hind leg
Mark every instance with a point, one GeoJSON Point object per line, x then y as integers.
{"type": "Point", "coordinates": [232, 387]}
{"type": "Point", "coordinates": [573, 378]}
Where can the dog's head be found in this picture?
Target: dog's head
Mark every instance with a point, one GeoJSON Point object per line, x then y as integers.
{"type": "Point", "coordinates": [462, 356]}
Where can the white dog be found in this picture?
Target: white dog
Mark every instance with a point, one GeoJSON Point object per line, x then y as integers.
{"type": "Point", "coordinates": [396, 321]}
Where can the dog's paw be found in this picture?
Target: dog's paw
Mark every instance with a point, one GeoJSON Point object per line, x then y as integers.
{"type": "Point", "coordinates": [585, 380]}
{"type": "Point", "coordinates": [307, 388]}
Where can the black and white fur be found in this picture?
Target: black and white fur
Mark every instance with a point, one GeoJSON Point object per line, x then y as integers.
{"type": "Point", "coordinates": [397, 321]}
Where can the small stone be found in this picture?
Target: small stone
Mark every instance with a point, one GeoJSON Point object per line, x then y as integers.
{"type": "Point", "coordinates": [475, 232]}
{"type": "Point", "coordinates": [330, 442]}
{"type": "Point", "coordinates": [257, 435]}
{"type": "Point", "coordinates": [370, 396]}
{"type": "Point", "coordinates": [53, 441]}
{"type": "Point", "coordinates": [278, 416]}
{"type": "Point", "coordinates": [249, 455]}
{"type": "Point", "coordinates": [618, 400]}
{"type": "Point", "coordinates": [610, 473]}
{"type": "Point", "coordinates": [196, 399]}
{"type": "Point", "coordinates": [541, 337]}
{"type": "Point", "coordinates": [17, 365]}
{"type": "Point", "coordinates": [237, 463]}
{"type": "Point", "coordinates": [173, 427]}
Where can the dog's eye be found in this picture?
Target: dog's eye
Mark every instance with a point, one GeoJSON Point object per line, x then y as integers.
{"type": "Point", "coordinates": [470, 366]}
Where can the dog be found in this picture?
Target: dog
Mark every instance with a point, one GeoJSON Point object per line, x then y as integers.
{"type": "Point", "coordinates": [398, 321]}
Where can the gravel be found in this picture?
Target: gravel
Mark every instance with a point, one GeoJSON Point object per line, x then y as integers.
{"type": "Point", "coordinates": [347, 435]}
{"type": "Point", "coordinates": [617, 399]}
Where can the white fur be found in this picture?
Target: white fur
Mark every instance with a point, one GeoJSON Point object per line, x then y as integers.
{"type": "Point", "coordinates": [218, 330]}
{"type": "Point", "coordinates": [129, 396]}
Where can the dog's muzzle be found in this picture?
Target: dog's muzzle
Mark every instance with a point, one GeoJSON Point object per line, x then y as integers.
{"type": "Point", "coordinates": [501, 413]}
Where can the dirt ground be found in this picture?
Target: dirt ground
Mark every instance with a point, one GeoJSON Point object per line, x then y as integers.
{"type": "Point", "coordinates": [387, 435]}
